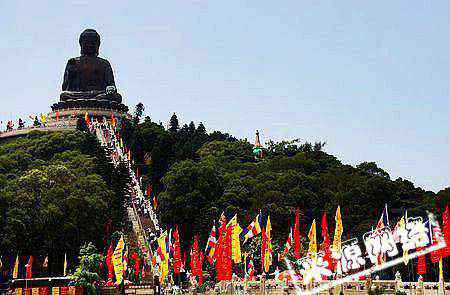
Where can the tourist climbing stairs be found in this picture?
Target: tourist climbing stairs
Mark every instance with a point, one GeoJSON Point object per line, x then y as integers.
{"type": "Point", "coordinates": [138, 209]}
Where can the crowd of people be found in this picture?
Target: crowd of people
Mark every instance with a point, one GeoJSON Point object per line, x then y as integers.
{"type": "Point", "coordinates": [147, 227]}
{"type": "Point", "coordinates": [32, 122]}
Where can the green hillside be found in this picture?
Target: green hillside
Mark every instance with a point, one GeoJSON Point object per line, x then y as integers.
{"type": "Point", "coordinates": [197, 175]}
{"type": "Point", "coordinates": [57, 191]}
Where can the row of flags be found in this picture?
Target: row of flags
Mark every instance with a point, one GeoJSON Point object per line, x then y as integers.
{"type": "Point", "coordinates": [223, 247]}
{"type": "Point", "coordinates": [29, 266]}
{"type": "Point", "coordinates": [45, 118]}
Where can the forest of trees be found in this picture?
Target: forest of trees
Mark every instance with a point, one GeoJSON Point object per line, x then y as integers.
{"type": "Point", "coordinates": [198, 175]}
{"type": "Point", "coordinates": [58, 190]}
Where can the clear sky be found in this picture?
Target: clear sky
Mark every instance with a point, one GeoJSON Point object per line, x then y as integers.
{"type": "Point", "coordinates": [369, 77]}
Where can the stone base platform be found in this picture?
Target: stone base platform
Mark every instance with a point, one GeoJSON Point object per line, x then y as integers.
{"type": "Point", "coordinates": [90, 104]}
{"type": "Point", "coordinates": [68, 120]}
{"type": "Point", "coordinates": [69, 117]}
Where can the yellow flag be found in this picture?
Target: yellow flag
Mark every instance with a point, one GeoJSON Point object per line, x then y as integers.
{"type": "Point", "coordinates": [117, 260]}
{"type": "Point", "coordinates": [236, 230]}
{"type": "Point", "coordinates": [16, 268]}
{"type": "Point", "coordinates": [164, 265]}
{"type": "Point", "coordinates": [337, 231]}
{"type": "Point", "coordinates": [269, 248]}
{"type": "Point", "coordinates": [441, 271]}
{"type": "Point", "coordinates": [65, 264]}
{"type": "Point", "coordinates": [312, 249]}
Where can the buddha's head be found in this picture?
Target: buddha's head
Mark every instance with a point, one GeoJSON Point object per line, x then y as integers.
{"type": "Point", "coordinates": [89, 42]}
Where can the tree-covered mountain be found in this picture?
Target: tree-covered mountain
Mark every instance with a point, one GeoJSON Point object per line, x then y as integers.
{"type": "Point", "coordinates": [58, 190]}
{"type": "Point", "coordinates": [197, 175]}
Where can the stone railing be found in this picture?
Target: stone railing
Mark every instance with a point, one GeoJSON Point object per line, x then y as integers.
{"type": "Point", "coordinates": [26, 130]}
{"type": "Point", "coordinates": [353, 288]}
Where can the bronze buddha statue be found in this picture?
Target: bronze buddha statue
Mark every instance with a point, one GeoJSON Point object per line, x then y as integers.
{"type": "Point", "coordinates": [89, 77]}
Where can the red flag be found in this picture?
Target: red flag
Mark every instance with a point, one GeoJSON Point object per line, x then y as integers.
{"type": "Point", "coordinates": [297, 242]}
{"type": "Point", "coordinates": [325, 236]}
{"type": "Point", "coordinates": [87, 119]}
{"type": "Point", "coordinates": [325, 247]}
{"type": "Point", "coordinates": [263, 247]}
{"type": "Point", "coordinates": [137, 264]}
{"type": "Point", "coordinates": [223, 251]}
{"type": "Point", "coordinates": [149, 191]}
{"type": "Point", "coordinates": [446, 232]}
{"type": "Point", "coordinates": [197, 262]}
{"type": "Point", "coordinates": [421, 263]}
{"type": "Point", "coordinates": [176, 251]}
{"type": "Point", "coordinates": [109, 263]}
{"type": "Point", "coordinates": [29, 267]}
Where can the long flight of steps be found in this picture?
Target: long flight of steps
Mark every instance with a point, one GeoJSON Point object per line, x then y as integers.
{"type": "Point", "coordinates": [106, 135]}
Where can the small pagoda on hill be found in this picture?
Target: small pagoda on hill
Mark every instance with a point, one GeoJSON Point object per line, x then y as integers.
{"type": "Point", "coordinates": [88, 87]}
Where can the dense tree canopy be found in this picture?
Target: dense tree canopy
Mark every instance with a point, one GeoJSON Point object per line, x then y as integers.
{"type": "Point", "coordinates": [57, 191]}
{"type": "Point", "coordinates": [198, 175]}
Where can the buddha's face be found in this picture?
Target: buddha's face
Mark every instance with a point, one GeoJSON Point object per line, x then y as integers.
{"type": "Point", "coordinates": [90, 43]}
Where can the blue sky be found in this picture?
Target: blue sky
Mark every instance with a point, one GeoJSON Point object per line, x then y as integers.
{"type": "Point", "coordinates": [370, 78]}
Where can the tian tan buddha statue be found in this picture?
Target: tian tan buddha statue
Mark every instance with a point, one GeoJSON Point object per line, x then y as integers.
{"type": "Point", "coordinates": [89, 77]}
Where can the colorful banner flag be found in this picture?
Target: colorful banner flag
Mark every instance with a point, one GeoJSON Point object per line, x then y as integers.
{"type": "Point", "coordinates": [16, 268]}
{"type": "Point", "coordinates": [164, 257]}
{"type": "Point", "coordinates": [28, 267]}
{"type": "Point", "coordinates": [266, 247]}
{"type": "Point", "coordinates": [297, 241]}
{"type": "Point", "coordinates": [446, 232]}
{"type": "Point", "coordinates": [211, 245]}
{"type": "Point", "coordinates": [235, 243]}
{"type": "Point", "coordinates": [253, 228]}
{"type": "Point", "coordinates": [65, 265]}
{"type": "Point", "coordinates": [197, 262]}
{"type": "Point", "coordinates": [337, 231]}
{"type": "Point", "coordinates": [117, 260]}
{"type": "Point", "coordinates": [312, 248]}
{"type": "Point", "coordinates": [176, 251]}
{"type": "Point", "coordinates": [109, 263]}
{"type": "Point", "coordinates": [223, 251]}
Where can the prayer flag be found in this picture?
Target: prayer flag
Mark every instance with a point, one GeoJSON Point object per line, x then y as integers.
{"type": "Point", "coordinates": [176, 251]}
{"type": "Point", "coordinates": [16, 268]}
{"type": "Point", "coordinates": [65, 264]}
{"type": "Point", "coordinates": [253, 228]}
{"type": "Point", "coordinates": [235, 243]}
{"type": "Point", "coordinates": [117, 260]}
{"type": "Point", "coordinates": [337, 231]}
{"type": "Point", "coordinates": [28, 267]}
{"type": "Point", "coordinates": [287, 245]}
{"type": "Point", "coordinates": [297, 242]}
{"type": "Point", "coordinates": [211, 245]}
{"type": "Point", "coordinates": [312, 249]}
{"type": "Point", "coordinates": [266, 247]}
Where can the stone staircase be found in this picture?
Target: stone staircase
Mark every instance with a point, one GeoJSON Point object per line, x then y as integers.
{"type": "Point", "coordinates": [106, 135]}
